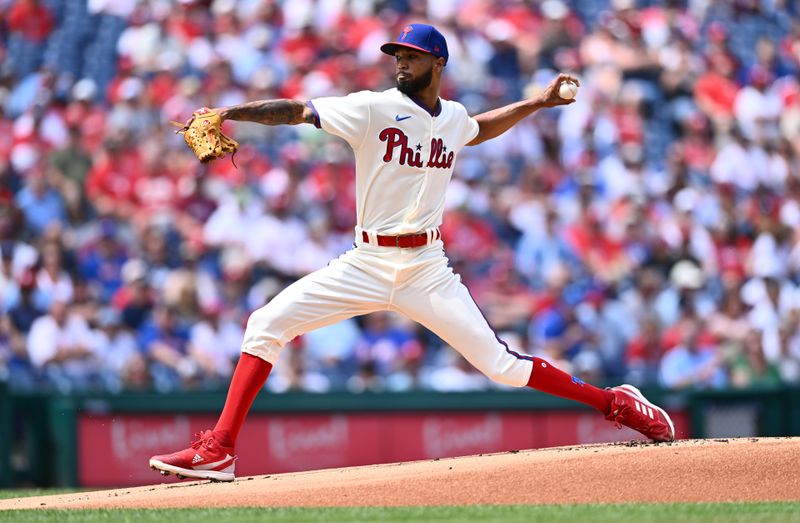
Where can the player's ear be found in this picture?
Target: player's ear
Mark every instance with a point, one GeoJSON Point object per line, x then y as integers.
{"type": "Point", "coordinates": [439, 63]}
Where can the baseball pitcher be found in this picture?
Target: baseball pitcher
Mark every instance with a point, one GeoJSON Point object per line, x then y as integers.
{"type": "Point", "coordinates": [406, 141]}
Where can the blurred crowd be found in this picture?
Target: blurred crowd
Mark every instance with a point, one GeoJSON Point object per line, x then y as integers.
{"type": "Point", "coordinates": [647, 233]}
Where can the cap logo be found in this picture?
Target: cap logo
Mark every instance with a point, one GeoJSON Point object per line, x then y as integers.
{"type": "Point", "coordinates": [407, 29]}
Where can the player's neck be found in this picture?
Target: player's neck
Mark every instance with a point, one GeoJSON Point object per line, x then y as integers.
{"type": "Point", "coordinates": [429, 97]}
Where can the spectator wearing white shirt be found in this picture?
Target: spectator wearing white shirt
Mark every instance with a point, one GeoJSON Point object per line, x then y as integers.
{"type": "Point", "coordinates": [62, 346]}
{"type": "Point", "coordinates": [769, 257]}
{"type": "Point", "coordinates": [452, 373]}
{"type": "Point", "coordinates": [733, 164]}
{"type": "Point", "coordinates": [277, 238]}
{"type": "Point", "coordinates": [18, 255]}
{"type": "Point", "coordinates": [232, 223]}
{"type": "Point", "coordinates": [215, 342]}
{"type": "Point", "coordinates": [123, 364]}
{"type": "Point", "coordinates": [52, 279]}
{"type": "Point", "coordinates": [757, 107]}
{"type": "Point", "coordinates": [772, 303]}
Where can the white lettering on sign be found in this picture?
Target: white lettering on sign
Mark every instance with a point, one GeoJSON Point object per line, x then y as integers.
{"type": "Point", "coordinates": [133, 438]}
{"type": "Point", "coordinates": [287, 439]}
{"type": "Point", "coordinates": [451, 438]}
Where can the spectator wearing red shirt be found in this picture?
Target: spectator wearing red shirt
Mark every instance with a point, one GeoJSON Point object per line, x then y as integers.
{"type": "Point", "coordinates": [643, 353]}
{"type": "Point", "coordinates": [109, 183]}
{"type": "Point", "coordinates": [715, 91]}
{"type": "Point", "coordinates": [605, 256]}
{"type": "Point", "coordinates": [154, 189]}
{"type": "Point", "coordinates": [194, 208]}
{"type": "Point", "coordinates": [467, 236]}
{"type": "Point", "coordinates": [732, 250]}
{"type": "Point", "coordinates": [29, 25]}
{"type": "Point", "coordinates": [695, 149]}
{"type": "Point", "coordinates": [31, 20]}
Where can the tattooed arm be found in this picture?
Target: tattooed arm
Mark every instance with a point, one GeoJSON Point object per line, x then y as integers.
{"type": "Point", "coordinates": [269, 112]}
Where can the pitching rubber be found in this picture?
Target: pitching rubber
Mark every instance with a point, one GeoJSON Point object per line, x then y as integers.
{"type": "Point", "coordinates": [636, 392]}
{"type": "Point", "coordinates": [212, 475]}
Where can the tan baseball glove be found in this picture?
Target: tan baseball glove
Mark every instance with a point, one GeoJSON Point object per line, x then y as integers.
{"type": "Point", "coordinates": [203, 134]}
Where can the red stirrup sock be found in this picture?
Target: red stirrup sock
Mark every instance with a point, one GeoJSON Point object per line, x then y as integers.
{"type": "Point", "coordinates": [248, 379]}
{"type": "Point", "coordinates": [546, 378]}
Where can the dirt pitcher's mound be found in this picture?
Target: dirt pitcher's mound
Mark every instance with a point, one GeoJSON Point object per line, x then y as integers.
{"type": "Point", "coordinates": [756, 469]}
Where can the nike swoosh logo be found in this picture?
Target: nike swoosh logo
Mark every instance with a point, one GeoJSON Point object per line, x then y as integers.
{"type": "Point", "coordinates": [398, 118]}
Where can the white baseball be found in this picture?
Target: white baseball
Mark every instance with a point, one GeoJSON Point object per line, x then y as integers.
{"type": "Point", "coordinates": [567, 90]}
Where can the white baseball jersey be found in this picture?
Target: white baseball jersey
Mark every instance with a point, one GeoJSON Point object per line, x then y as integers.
{"type": "Point", "coordinates": [405, 155]}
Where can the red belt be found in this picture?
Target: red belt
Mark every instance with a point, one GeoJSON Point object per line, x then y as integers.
{"type": "Point", "coordinates": [404, 241]}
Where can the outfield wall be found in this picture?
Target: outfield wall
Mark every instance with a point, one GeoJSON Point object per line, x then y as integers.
{"type": "Point", "coordinates": [105, 440]}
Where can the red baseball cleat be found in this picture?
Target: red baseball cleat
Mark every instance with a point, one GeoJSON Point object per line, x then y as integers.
{"type": "Point", "coordinates": [204, 459]}
{"type": "Point", "coordinates": [630, 408]}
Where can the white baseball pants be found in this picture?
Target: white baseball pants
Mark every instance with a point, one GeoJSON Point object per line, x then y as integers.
{"type": "Point", "coordinates": [417, 283]}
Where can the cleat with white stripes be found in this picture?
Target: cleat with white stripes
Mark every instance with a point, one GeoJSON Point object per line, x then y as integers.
{"type": "Point", "coordinates": [206, 458]}
{"type": "Point", "coordinates": [630, 408]}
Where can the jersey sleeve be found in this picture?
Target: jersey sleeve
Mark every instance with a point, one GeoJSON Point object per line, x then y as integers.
{"type": "Point", "coordinates": [344, 116]}
{"type": "Point", "coordinates": [469, 126]}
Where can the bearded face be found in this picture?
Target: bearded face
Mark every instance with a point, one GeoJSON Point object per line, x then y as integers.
{"type": "Point", "coordinates": [410, 85]}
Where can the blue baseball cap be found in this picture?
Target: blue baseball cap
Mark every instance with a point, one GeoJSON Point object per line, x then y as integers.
{"type": "Point", "coordinates": [422, 37]}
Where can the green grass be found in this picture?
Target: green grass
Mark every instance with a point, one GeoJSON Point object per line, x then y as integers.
{"type": "Point", "coordinates": [640, 513]}
{"type": "Point", "coordinates": [26, 493]}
